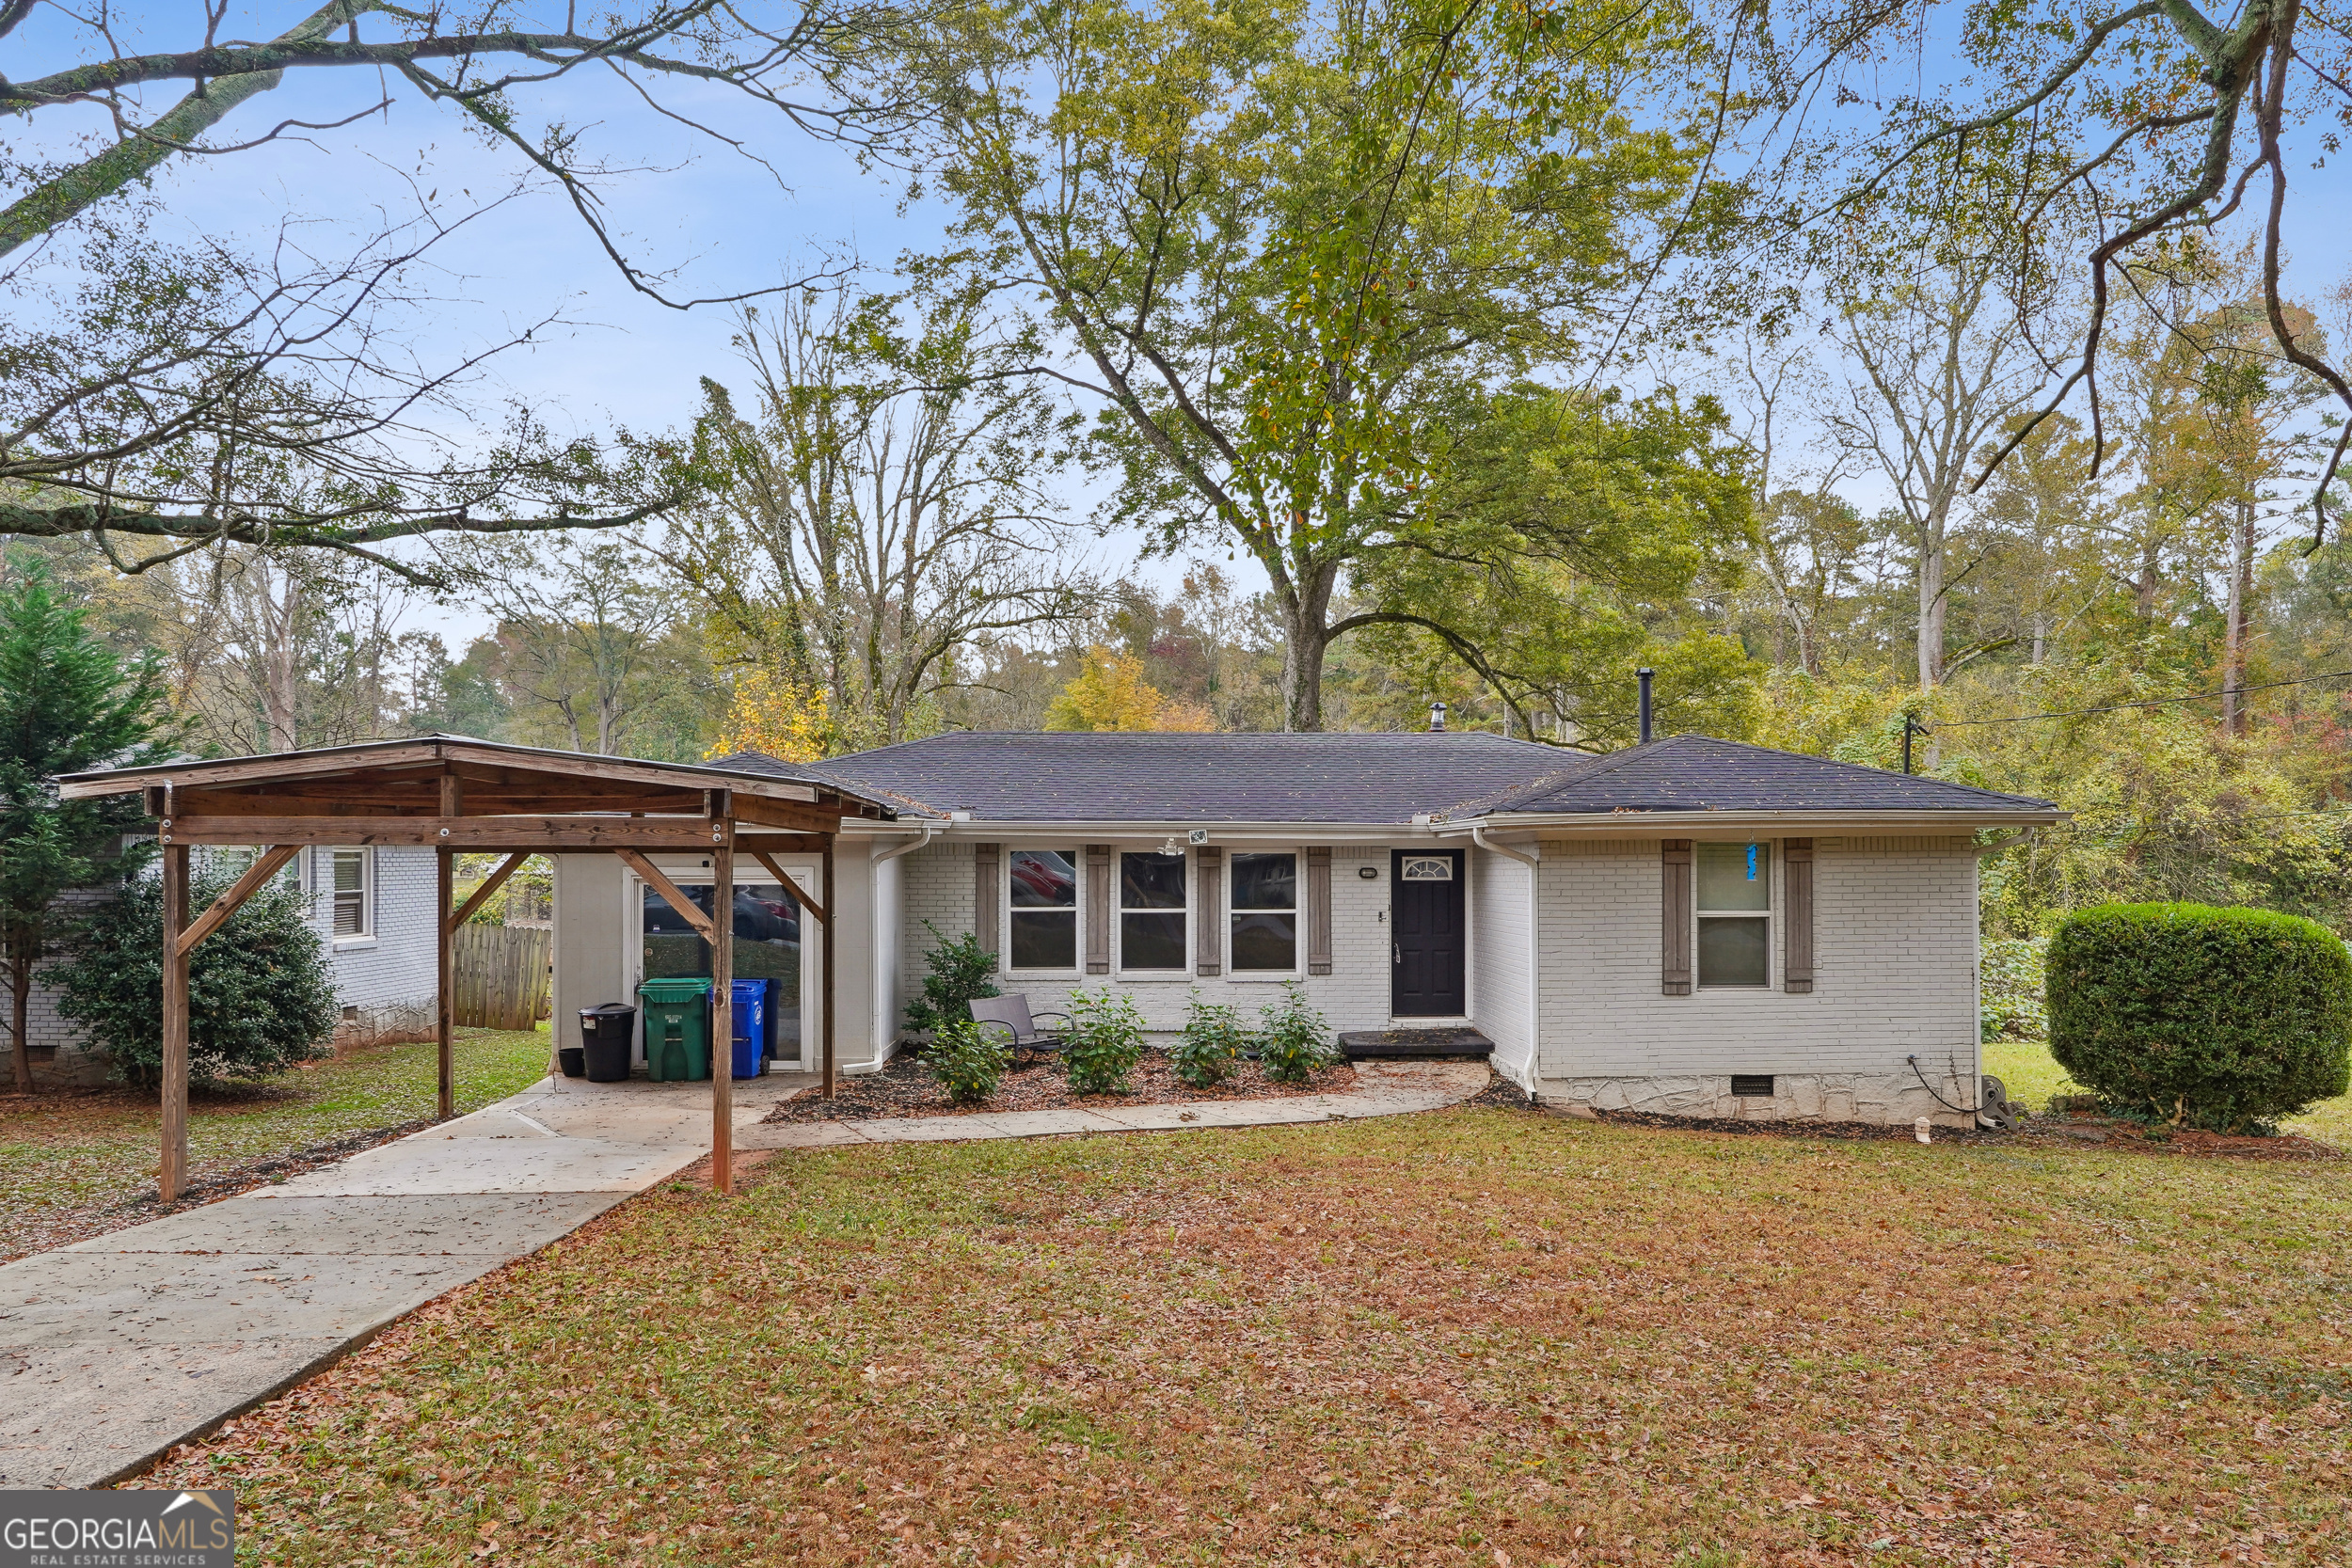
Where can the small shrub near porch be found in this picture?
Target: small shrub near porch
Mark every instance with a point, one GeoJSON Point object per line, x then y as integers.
{"type": "Point", "coordinates": [2225, 1020]}
{"type": "Point", "coordinates": [961, 970]}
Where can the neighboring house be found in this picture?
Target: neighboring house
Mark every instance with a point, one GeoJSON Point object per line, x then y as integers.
{"type": "Point", "coordinates": [1688, 925]}
{"type": "Point", "coordinates": [374, 909]}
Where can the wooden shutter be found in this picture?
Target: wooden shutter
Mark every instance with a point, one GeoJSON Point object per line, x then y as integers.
{"type": "Point", "coordinates": [1208, 896]}
{"type": "Point", "coordinates": [987, 896]}
{"type": "Point", "coordinates": [1673, 964]}
{"type": "Point", "coordinates": [1318, 912]}
{"type": "Point", "coordinates": [1796, 856]}
{"type": "Point", "coordinates": [1098, 896]}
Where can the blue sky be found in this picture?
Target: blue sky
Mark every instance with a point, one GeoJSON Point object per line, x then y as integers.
{"type": "Point", "coordinates": [724, 223]}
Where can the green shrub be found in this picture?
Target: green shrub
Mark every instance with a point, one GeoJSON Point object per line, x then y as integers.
{"type": "Point", "coordinates": [1295, 1044]}
{"type": "Point", "coordinates": [2220, 1018]}
{"type": "Point", "coordinates": [960, 969]}
{"type": "Point", "coordinates": [2013, 984]}
{"type": "Point", "coordinates": [969, 1061]}
{"type": "Point", "coordinates": [1214, 1039]}
{"type": "Point", "coordinates": [260, 996]}
{"type": "Point", "coordinates": [1105, 1042]}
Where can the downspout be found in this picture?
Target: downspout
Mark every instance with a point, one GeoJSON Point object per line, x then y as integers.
{"type": "Point", "coordinates": [930, 830]}
{"type": "Point", "coordinates": [879, 1025]}
{"type": "Point", "coordinates": [1534, 862]}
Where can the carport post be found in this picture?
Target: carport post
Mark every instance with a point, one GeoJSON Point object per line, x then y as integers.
{"type": "Point", "coordinates": [444, 1005]}
{"type": "Point", "coordinates": [831, 939]}
{"type": "Point", "coordinates": [723, 1015]}
{"type": "Point", "coordinates": [173, 1172]}
{"type": "Point", "coordinates": [444, 1008]}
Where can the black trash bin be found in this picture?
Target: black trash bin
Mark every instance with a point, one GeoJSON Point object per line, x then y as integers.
{"type": "Point", "coordinates": [606, 1033]}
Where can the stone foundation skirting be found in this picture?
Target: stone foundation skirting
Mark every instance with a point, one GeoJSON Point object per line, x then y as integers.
{"type": "Point", "coordinates": [1880, 1098]}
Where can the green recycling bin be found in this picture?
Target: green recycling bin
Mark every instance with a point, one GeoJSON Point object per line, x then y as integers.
{"type": "Point", "coordinates": [678, 1028]}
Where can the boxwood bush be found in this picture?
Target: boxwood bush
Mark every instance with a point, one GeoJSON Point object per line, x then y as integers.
{"type": "Point", "coordinates": [2225, 1019]}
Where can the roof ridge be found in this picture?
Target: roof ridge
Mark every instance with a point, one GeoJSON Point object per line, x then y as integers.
{"type": "Point", "coordinates": [1859, 766]}
{"type": "Point", "coordinates": [1600, 763]}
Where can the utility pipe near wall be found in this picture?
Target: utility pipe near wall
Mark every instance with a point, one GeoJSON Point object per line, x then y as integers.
{"type": "Point", "coordinates": [930, 830]}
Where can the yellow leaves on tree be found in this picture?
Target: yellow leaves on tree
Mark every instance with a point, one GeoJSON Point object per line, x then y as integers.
{"type": "Point", "coordinates": [1110, 693]}
{"type": "Point", "coordinates": [768, 713]}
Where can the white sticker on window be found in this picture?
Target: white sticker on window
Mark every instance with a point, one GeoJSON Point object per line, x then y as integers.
{"type": "Point", "coordinates": [1429, 868]}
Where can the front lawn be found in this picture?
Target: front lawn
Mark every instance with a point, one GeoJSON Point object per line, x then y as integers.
{"type": "Point", "coordinates": [67, 1161]}
{"type": "Point", "coordinates": [1483, 1336]}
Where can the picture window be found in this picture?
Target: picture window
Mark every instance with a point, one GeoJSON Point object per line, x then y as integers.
{"type": "Point", "coordinates": [1735, 904]}
{"type": "Point", "coordinates": [1265, 913]}
{"type": "Point", "coordinates": [1043, 923]}
{"type": "Point", "coordinates": [1150, 910]}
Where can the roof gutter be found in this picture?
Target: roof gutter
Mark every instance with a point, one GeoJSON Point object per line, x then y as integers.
{"type": "Point", "coordinates": [1649, 824]}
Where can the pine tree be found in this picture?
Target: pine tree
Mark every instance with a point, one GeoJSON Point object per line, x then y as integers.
{"type": "Point", "coordinates": [66, 704]}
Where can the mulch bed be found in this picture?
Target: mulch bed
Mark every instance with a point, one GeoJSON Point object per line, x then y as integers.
{"type": "Point", "coordinates": [69, 1225]}
{"type": "Point", "coordinates": [903, 1089]}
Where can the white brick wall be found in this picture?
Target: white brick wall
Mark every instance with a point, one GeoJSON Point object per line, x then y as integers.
{"type": "Point", "coordinates": [1501, 962]}
{"type": "Point", "coordinates": [1894, 971]}
{"type": "Point", "coordinates": [1354, 995]}
{"type": "Point", "coordinates": [389, 977]}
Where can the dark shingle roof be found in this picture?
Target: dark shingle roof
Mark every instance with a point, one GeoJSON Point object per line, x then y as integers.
{"type": "Point", "coordinates": [1081, 776]}
{"type": "Point", "coordinates": [1055, 777]}
{"type": "Point", "coordinates": [1694, 772]}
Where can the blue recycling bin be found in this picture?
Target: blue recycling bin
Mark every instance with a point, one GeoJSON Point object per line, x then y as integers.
{"type": "Point", "coordinates": [749, 1025]}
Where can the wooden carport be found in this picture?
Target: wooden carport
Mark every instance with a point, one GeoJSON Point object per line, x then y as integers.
{"type": "Point", "coordinates": [456, 795]}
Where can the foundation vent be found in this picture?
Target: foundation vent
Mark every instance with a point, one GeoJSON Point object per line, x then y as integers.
{"type": "Point", "coordinates": [1752, 1085]}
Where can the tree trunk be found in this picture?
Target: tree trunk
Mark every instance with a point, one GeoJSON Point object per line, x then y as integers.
{"type": "Point", "coordinates": [281, 681]}
{"type": "Point", "coordinates": [2040, 636]}
{"type": "Point", "coordinates": [2240, 611]}
{"type": "Point", "coordinates": [1306, 614]}
{"type": "Point", "coordinates": [20, 995]}
{"type": "Point", "coordinates": [1931, 608]}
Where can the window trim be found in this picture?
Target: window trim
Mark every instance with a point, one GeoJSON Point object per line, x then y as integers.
{"type": "Point", "coordinates": [1076, 854]}
{"type": "Point", "coordinates": [1233, 971]}
{"type": "Point", "coordinates": [367, 931]}
{"type": "Point", "coordinates": [1769, 914]}
{"type": "Point", "coordinates": [1184, 912]}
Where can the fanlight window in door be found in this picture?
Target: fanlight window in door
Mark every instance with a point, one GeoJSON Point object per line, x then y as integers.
{"type": "Point", "coordinates": [1428, 869]}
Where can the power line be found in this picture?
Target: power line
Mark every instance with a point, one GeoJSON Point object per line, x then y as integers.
{"type": "Point", "coordinates": [2152, 701]}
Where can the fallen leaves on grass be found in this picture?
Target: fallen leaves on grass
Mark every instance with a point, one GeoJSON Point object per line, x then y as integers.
{"type": "Point", "coordinates": [1471, 1337]}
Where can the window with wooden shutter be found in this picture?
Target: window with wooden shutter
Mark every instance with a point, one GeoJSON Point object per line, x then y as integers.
{"type": "Point", "coordinates": [1676, 923]}
{"type": "Point", "coordinates": [1208, 938]}
{"type": "Point", "coordinates": [1319, 910]}
{"type": "Point", "coordinates": [1098, 921]}
{"type": "Point", "coordinates": [985, 884]}
{"type": "Point", "coordinates": [1796, 864]}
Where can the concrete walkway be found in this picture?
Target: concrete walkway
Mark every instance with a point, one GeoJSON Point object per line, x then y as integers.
{"type": "Point", "coordinates": [114, 1349]}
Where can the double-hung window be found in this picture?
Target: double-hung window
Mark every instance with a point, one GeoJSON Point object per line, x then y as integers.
{"type": "Point", "coordinates": [1735, 913]}
{"type": "Point", "coordinates": [1044, 914]}
{"type": "Point", "coordinates": [1265, 913]}
{"type": "Point", "coordinates": [1151, 911]}
{"type": "Point", "coordinates": [353, 873]}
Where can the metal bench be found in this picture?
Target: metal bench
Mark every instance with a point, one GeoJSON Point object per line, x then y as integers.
{"type": "Point", "coordinates": [1009, 1018]}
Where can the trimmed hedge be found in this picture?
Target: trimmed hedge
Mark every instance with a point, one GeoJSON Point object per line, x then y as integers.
{"type": "Point", "coordinates": [2221, 1019]}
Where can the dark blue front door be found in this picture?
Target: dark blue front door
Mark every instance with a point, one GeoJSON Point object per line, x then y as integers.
{"type": "Point", "coordinates": [1426, 911]}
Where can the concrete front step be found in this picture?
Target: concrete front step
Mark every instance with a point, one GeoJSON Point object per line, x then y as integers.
{"type": "Point", "coordinates": [1360, 1045]}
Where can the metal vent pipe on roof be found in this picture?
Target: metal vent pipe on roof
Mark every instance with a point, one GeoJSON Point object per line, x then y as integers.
{"type": "Point", "coordinates": [1643, 676]}
{"type": "Point", "coordinates": [1436, 718]}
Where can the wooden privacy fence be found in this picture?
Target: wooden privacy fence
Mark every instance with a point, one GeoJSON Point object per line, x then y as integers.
{"type": "Point", "coordinates": [500, 975]}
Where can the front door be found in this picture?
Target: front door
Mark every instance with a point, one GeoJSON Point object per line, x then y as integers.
{"type": "Point", "coordinates": [1426, 908]}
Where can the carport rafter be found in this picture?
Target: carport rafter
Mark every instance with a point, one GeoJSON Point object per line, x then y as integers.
{"type": "Point", "coordinates": [455, 794]}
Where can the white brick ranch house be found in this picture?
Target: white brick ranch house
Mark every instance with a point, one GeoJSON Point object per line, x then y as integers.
{"type": "Point", "coordinates": [1688, 925]}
